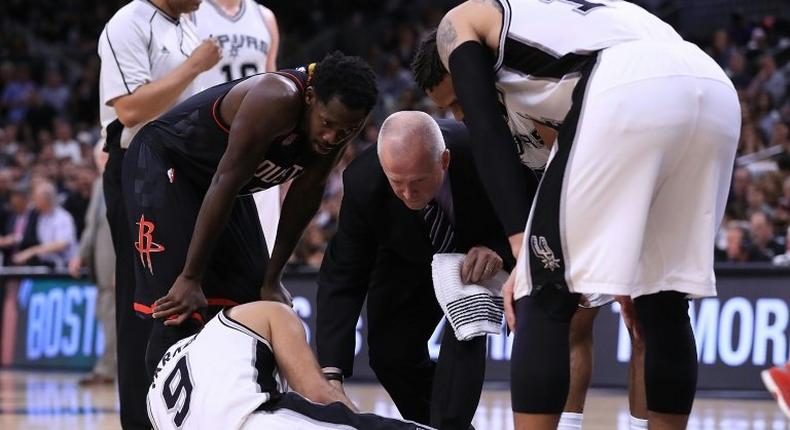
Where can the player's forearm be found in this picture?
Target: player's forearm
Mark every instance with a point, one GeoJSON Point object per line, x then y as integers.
{"type": "Point", "coordinates": [211, 220]}
{"type": "Point", "coordinates": [152, 99]}
{"type": "Point", "coordinates": [301, 203]}
{"type": "Point", "coordinates": [500, 170]}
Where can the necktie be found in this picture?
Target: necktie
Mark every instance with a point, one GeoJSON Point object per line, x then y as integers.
{"type": "Point", "coordinates": [440, 230]}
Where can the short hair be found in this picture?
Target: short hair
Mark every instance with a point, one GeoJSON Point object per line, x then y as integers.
{"type": "Point", "coordinates": [413, 128]}
{"type": "Point", "coordinates": [349, 78]}
{"type": "Point", "coordinates": [47, 189]}
{"type": "Point", "coordinates": [427, 67]}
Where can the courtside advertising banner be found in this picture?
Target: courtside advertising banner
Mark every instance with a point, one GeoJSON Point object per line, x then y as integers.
{"type": "Point", "coordinates": [52, 323]}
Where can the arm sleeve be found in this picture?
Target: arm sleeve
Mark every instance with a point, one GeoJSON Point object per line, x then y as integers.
{"type": "Point", "coordinates": [509, 188]}
{"type": "Point", "coordinates": [342, 286]}
{"type": "Point", "coordinates": [125, 64]}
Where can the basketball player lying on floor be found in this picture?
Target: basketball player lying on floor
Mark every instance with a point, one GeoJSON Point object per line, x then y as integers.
{"type": "Point", "coordinates": [233, 373]}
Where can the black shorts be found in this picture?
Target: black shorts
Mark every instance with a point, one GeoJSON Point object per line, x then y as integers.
{"type": "Point", "coordinates": [162, 203]}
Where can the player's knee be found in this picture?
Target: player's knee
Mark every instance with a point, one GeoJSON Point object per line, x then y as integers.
{"type": "Point", "coordinates": [540, 370]}
{"type": "Point", "coordinates": [670, 352]}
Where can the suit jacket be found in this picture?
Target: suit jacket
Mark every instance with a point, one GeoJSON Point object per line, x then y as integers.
{"type": "Point", "coordinates": [96, 249]}
{"type": "Point", "coordinates": [381, 249]}
{"type": "Point", "coordinates": [29, 235]}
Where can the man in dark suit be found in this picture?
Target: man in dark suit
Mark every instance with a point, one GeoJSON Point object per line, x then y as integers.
{"type": "Point", "coordinates": [382, 250]}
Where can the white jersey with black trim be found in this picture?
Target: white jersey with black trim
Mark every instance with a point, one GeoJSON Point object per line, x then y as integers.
{"type": "Point", "coordinates": [545, 43]}
{"type": "Point", "coordinates": [140, 44]}
{"type": "Point", "coordinates": [188, 391]}
{"type": "Point", "coordinates": [244, 38]}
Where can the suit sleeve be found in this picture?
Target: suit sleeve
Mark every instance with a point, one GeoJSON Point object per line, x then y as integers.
{"type": "Point", "coordinates": [343, 284]}
{"type": "Point", "coordinates": [88, 238]}
{"type": "Point", "coordinates": [472, 70]}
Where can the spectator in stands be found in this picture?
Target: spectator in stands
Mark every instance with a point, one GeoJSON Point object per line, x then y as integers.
{"type": "Point", "coordinates": [19, 230]}
{"type": "Point", "coordinates": [57, 239]}
{"type": "Point", "coordinates": [38, 117]}
{"type": "Point", "coordinates": [755, 198]}
{"type": "Point", "coordinates": [763, 238]}
{"type": "Point", "coordinates": [736, 70]}
{"type": "Point", "coordinates": [721, 49]}
{"type": "Point", "coordinates": [78, 186]}
{"type": "Point", "coordinates": [737, 203]}
{"type": "Point", "coordinates": [16, 95]}
{"type": "Point", "coordinates": [55, 92]}
{"type": "Point", "coordinates": [739, 247]}
{"type": "Point", "coordinates": [769, 79]}
{"type": "Point", "coordinates": [784, 259]}
{"type": "Point", "coordinates": [65, 145]}
{"type": "Point", "coordinates": [781, 137]}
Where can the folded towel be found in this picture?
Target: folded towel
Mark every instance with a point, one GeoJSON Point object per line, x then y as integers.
{"type": "Point", "coordinates": [472, 309]}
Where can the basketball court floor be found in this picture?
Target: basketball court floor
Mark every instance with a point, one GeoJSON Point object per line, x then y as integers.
{"type": "Point", "coordinates": [54, 401]}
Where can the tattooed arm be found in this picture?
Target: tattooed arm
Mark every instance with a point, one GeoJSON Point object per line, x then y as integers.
{"type": "Point", "coordinates": [467, 41]}
{"type": "Point", "coordinates": [474, 20]}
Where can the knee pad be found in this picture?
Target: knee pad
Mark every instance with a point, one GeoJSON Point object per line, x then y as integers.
{"type": "Point", "coordinates": [540, 364]}
{"type": "Point", "coordinates": [670, 352]}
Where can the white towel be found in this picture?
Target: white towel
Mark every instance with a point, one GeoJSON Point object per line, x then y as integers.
{"type": "Point", "coordinates": [472, 310]}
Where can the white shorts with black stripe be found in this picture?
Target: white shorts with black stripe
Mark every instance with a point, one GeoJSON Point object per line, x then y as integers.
{"type": "Point", "coordinates": [636, 185]}
{"type": "Point", "coordinates": [292, 411]}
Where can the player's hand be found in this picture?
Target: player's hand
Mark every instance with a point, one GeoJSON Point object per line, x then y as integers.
{"type": "Point", "coordinates": [630, 317]}
{"type": "Point", "coordinates": [75, 264]}
{"type": "Point", "coordinates": [480, 264]}
{"type": "Point", "coordinates": [207, 54]}
{"type": "Point", "coordinates": [184, 298]}
{"type": "Point", "coordinates": [507, 294]}
{"type": "Point", "coordinates": [276, 292]}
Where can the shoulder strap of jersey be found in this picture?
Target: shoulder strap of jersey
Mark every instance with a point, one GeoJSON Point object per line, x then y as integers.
{"type": "Point", "coordinates": [301, 76]}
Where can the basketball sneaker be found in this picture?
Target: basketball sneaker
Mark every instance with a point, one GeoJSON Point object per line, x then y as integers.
{"type": "Point", "coordinates": [777, 381]}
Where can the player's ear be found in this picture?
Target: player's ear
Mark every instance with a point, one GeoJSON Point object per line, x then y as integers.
{"type": "Point", "coordinates": [309, 96]}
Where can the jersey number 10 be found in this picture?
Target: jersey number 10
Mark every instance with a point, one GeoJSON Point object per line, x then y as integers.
{"type": "Point", "coordinates": [246, 69]}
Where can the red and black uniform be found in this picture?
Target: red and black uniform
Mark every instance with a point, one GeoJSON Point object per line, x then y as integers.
{"type": "Point", "coordinates": [166, 173]}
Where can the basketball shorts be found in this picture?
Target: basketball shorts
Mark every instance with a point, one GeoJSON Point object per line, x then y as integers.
{"type": "Point", "coordinates": [292, 411]}
{"type": "Point", "coordinates": [637, 182]}
{"type": "Point", "coordinates": [162, 203]}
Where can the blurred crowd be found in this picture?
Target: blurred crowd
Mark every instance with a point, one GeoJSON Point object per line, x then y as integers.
{"type": "Point", "coordinates": [49, 116]}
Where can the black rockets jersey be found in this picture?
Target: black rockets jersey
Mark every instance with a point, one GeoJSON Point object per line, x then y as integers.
{"type": "Point", "coordinates": [194, 137]}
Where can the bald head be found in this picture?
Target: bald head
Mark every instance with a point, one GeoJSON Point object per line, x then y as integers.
{"type": "Point", "coordinates": [410, 134]}
{"type": "Point", "coordinates": [413, 155]}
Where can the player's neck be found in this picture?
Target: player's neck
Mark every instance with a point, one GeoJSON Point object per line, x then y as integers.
{"type": "Point", "coordinates": [230, 7]}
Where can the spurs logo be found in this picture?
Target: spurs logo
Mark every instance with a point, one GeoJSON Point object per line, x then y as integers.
{"type": "Point", "coordinates": [541, 250]}
{"type": "Point", "coordinates": [145, 244]}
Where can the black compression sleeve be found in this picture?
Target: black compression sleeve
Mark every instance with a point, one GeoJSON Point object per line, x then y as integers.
{"type": "Point", "coordinates": [509, 187]}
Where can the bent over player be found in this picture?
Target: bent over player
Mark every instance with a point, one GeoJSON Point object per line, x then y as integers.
{"type": "Point", "coordinates": [184, 171]}
{"type": "Point", "coordinates": [235, 374]}
{"type": "Point", "coordinates": [647, 126]}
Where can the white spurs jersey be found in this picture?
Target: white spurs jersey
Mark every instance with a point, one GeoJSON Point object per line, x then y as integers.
{"type": "Point", "coordinates": [190, 391]}
{"type": "Point", "coordinates": [543, 50]}
{"type": "Point", "coordinates": [245, 40]}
